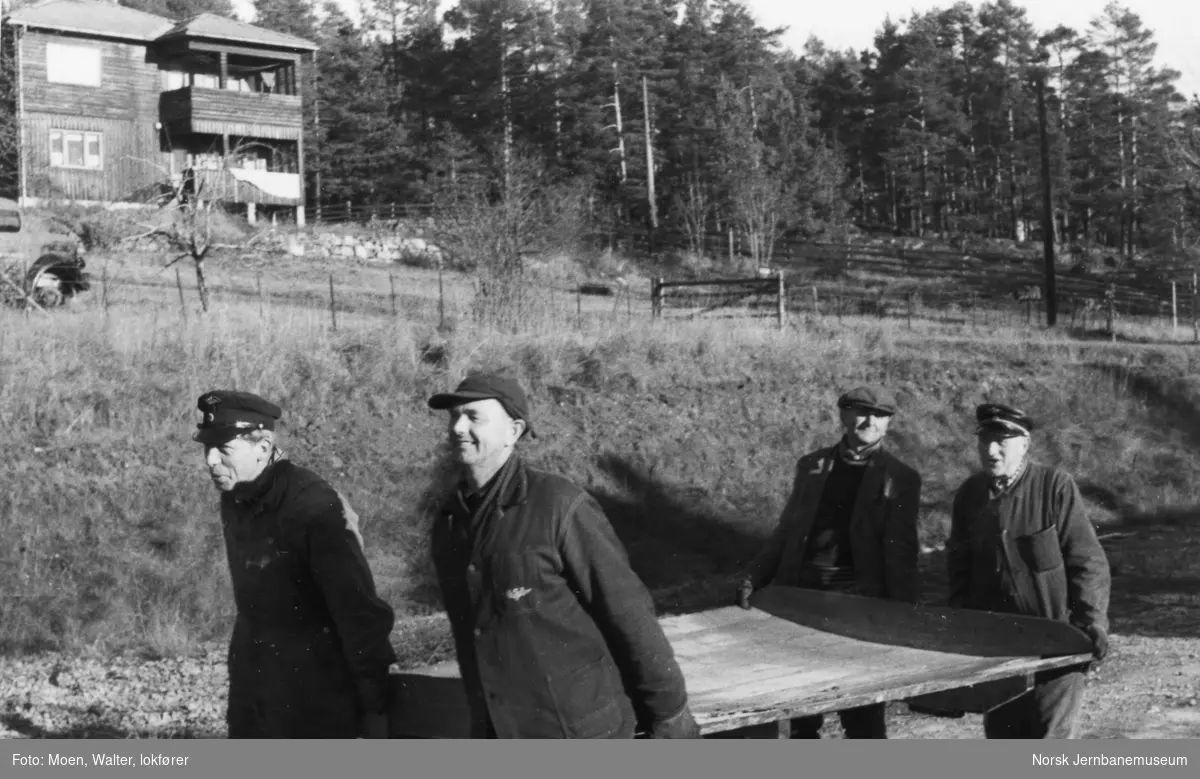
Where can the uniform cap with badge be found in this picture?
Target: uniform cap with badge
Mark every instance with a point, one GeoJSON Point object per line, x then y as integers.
{"type": "Point", "coordinates": [1003, 419]}
{"type": "Point", "coordinates": [229, 414]}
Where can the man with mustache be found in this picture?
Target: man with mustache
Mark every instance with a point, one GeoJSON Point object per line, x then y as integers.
{"type": "Point", "coordinates": [1020, 542]}
{"type": "Point", "coordinates": [310, 649]}
{"type": "Point", "coordinates": [556, 636]}
{"type": "Point", "coordinates": [849, 526]}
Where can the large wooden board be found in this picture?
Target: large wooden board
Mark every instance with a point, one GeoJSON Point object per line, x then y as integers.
{"type": "Point", "coordinates": [800, 652]}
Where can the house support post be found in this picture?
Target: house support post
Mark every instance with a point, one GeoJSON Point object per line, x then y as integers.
{"type": "Point", "coordinates": [251, 213]}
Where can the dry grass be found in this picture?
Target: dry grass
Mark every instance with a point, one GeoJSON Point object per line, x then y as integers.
{"type": "Point", "coordinates": [686, 431]}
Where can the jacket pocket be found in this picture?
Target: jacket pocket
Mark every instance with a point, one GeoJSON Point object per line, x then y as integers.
{"type": "Point", "coordinates": [1041, 588]}
{"type": "Point", "coordinates": [1040, 551]}
{"type": "Point", "coordinates": [587, 701]}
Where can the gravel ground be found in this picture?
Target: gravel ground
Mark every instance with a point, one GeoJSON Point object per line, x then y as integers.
{"type": "Point", "coordinates": [1149, 688]}
{"type": "Point", "coordinates": [59, 696]}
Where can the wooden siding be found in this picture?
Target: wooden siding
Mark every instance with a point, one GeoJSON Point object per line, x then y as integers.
{"type": "Point", "coordinates": [221, 184]}
{"type": "Point", "coordinates": [218, 111]}
{"type": "Point", "coordinates": [129, 83]}
{"type": "Point", "coordinates": [131, 158]}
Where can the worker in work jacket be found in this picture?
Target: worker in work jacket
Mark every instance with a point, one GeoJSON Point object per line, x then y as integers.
{"type": "Point", "coordinates": [850, 526]}
{"type": "Point", "coordinates": [556, 636]}
{"type": "Point", "coordinates": [310, 650]}
{"type": "Point", "coordinates": [1021, 543]}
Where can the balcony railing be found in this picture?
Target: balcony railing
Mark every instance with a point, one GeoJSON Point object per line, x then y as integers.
{"type": "Point", "coordinates": [223, 111]}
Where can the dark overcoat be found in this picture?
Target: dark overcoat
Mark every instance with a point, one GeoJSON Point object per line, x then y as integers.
{"type": "Point", "coordinates": [310, 649]}
{"type": "Point", "coordinates": [556, 636]}
{"type": "Point", "coordinates": [883, 527]}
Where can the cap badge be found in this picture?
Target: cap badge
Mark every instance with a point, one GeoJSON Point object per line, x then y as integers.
{"type": "Point", "coordinates": [208, 418]}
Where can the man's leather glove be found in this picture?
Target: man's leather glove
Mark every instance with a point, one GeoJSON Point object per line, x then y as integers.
{"type": "Point", "coordinates": [1099, 642]}
{"type": "Point", "coordinates": [744, 591]}
{"type": "Point", "coordinates": [682, 725]}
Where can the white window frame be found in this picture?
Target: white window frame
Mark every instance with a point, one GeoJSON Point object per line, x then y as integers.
{"type": "Point", "coordinates": [59, 157]}
{"type": "Point", "coordinates": [71, 64]}
{"type": "Point", "coordinates": [174, 78]}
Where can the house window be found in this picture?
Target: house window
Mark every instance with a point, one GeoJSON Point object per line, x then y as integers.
{"type": "Point", "coordinates": [206, 80]}
{"type": "Point", "coordinates": [66, 64]}
{"type": "Point", "coordinates": [174, 79]}
{"type": "Point", "coordinates": [70, 149]}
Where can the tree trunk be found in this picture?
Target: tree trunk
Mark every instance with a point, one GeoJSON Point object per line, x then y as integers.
{"type": "Point", "coordinates": [650, 196]}
{"type": "Point", "coordinates": [620, 124]}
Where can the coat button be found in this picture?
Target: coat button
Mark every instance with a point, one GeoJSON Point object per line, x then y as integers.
{"type": "Point", "coordinates": [478, 632]}
{"type": "Point", "coordinates": [471, 568]}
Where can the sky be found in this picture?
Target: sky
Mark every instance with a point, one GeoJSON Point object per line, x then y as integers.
{"type": "Point", "coordinates": [843, 24]}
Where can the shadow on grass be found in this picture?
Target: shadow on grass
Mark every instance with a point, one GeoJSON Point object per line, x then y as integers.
{"type": "Point", "coordinates": [1176, 408]}
{"type": "Point", "coordinates": [682, 549]}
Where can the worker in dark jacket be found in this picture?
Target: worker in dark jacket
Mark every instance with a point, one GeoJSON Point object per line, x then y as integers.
{"type": "Point", "coordinates": [850, 526]}
{"type": "Point", "coordinates": [556, 636]}
{"type": "Point", "coordinates": [1021, 543]}
{"type": "Point", "coordinates": [310, 650]}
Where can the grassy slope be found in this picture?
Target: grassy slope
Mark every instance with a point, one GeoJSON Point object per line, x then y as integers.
{"type": "Point", "coordinates": [686, 433]}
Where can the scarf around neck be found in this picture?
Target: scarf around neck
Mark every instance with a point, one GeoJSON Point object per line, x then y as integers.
{"type": "Point", "coordinates": [860, 457]}
{"type": "Point", "coordinates": [488, 495]}
{"type": "Point", "coordinates": [998, 485]}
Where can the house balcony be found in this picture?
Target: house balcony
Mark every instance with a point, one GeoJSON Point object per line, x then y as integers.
{"type": "Point", "coordinates": [233, 185]}
{"type": "Point", "coordinates": [226, 112]}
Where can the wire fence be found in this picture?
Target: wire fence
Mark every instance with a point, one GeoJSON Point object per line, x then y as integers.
{"type": "Point", "coordinates": [902, 278]}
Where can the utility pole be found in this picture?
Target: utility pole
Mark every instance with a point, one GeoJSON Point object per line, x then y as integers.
{"type": "Point", "coordinates": [1047, 203]}
{"type": "Point", "coordinates": [650, 195]}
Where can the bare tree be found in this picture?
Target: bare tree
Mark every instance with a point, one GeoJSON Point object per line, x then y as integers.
{"type": "Point", "coordinates": [492, 223]}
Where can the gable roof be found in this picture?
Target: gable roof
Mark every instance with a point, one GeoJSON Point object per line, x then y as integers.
{"type": "Point", "coordinates": [89, 16]}
{"type": "Point", "coordinates": [208, 25]}
{"type": "Point", "coordinates": [94, 17]}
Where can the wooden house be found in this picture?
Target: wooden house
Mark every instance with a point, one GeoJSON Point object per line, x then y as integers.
{"type": "Point", "coordinates": [113, 104]}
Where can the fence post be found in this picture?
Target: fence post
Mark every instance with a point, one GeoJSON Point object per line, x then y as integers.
{"type": "Point", "coordinates": [1110, 295]}
{"type": "Point", "coordinates": [656, 292]}
{"type": "Point", "coordinates": [816, 302]}
{"type": "Point", "coordinates": [258, 284]}
{"type": "Point", "coordinates": [179, 286]}
{"type": "Point", "coordinates": [1195, 321]}
{"type": "Point", "coordinates": [579, 306]}
{"type": "Point", "coordinates": [441, 299]}
{"type": "Point", "coordinates": [392, 282]}
{"type": "Point", "coordinates": [1174, 311]}
{"type": "Point", "coordinates": [349, 212]}
{"type": "Point", "coordinates": [332, 304]}
{"type": "Point", "coordinates": [783, 299]}
{"type": "Point", "coordinates": [731, 247]}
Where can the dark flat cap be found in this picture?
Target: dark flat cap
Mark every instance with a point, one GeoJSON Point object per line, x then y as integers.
{"type": "Point", "coordinates": [876, 399]}
{"type": "Point", "coordinates": [999, 417]}
{"type": "Point", "coordinates": [487, 386]}
{"type": "Point", "coordinates": [228, 414]}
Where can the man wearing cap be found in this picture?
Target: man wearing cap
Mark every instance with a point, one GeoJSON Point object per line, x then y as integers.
{"type": "Point", "coordinates": [850, 526]}
{"type": "Point", "coordinates": [310, 649]}
{"type": "Point", "coordinates": [1021, 543]}
{"type": "Point", "coordinates": [556, 636]}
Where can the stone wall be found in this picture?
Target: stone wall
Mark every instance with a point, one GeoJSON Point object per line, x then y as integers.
{"type": "Point", "coordinates": [372, 249]}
